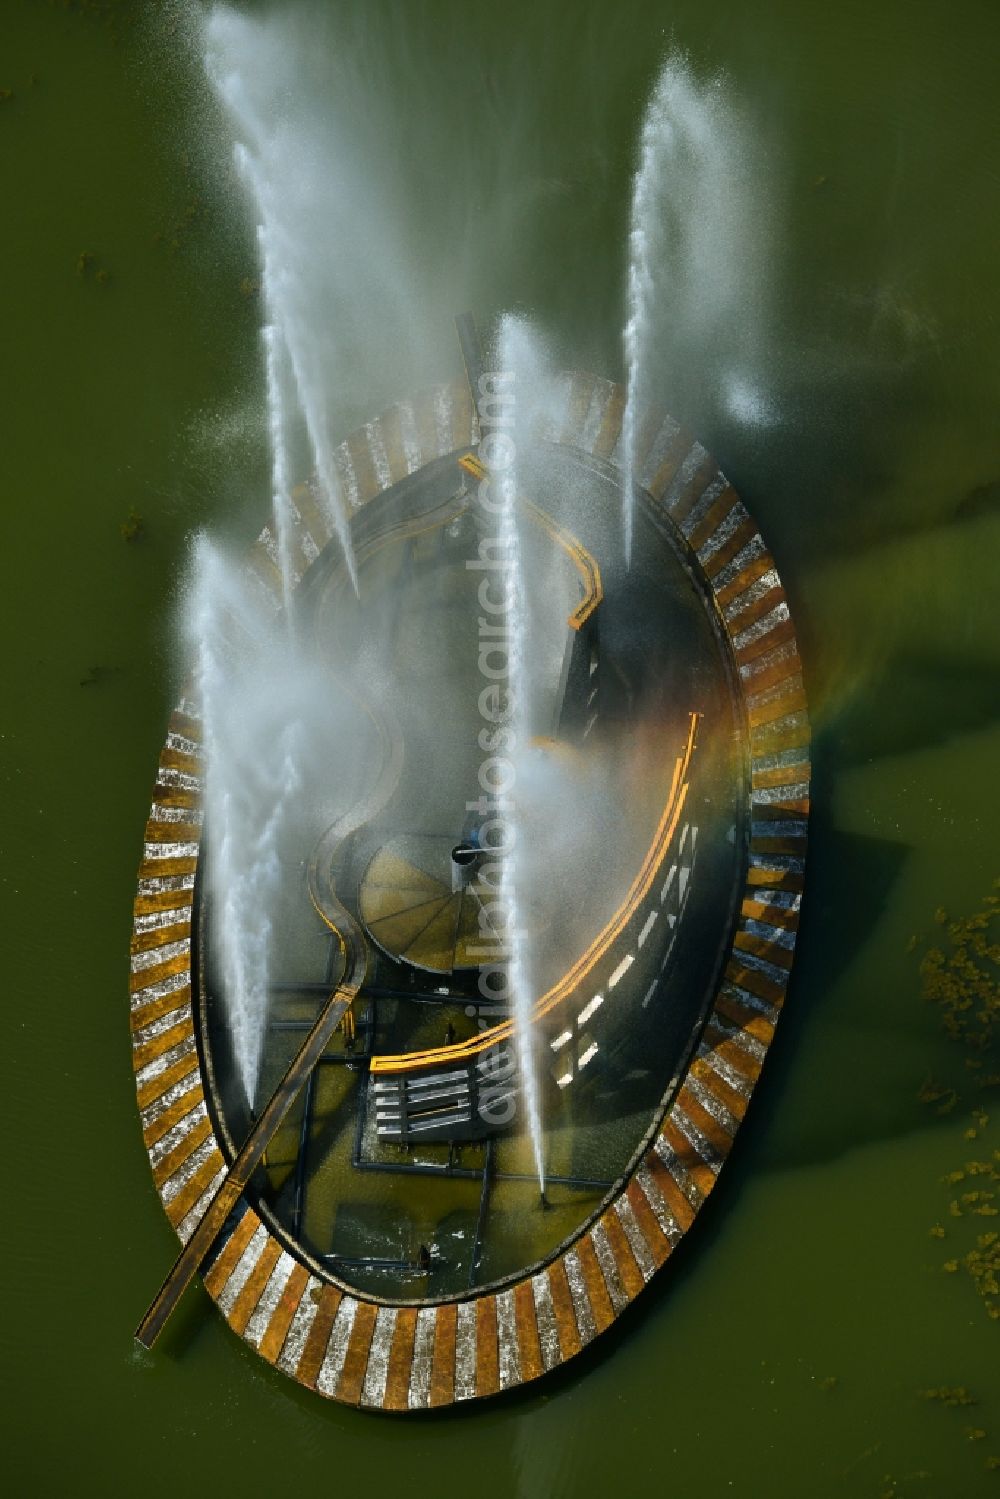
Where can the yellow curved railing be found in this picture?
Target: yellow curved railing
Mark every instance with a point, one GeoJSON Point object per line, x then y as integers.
{"type": "Point", "coordinates": [585, 564]}
{"type": "Point", "coordinates": [461, 1051]}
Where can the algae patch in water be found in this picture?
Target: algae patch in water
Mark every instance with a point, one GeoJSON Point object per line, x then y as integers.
{"type": "Point", "coordinates": [959, 975]}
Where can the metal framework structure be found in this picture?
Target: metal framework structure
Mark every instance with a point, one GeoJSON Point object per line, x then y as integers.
{"type": "Point", "coordinates": [300, 1315]}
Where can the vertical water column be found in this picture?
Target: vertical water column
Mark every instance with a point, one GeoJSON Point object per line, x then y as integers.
{"type": "Point", "coordinates": [281, 503]}
{"type": "Point", "coordinates": [252, 755]}
{"type": "Point", "coordinates": [656, 128]}
{"type": "Point", "coordinates": [514, 340]}
{"type": "Point", "coordinates": [296, 332]}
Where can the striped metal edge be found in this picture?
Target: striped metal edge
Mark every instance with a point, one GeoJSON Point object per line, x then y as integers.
{"type": "Point", "coordinates": [401, 1358]}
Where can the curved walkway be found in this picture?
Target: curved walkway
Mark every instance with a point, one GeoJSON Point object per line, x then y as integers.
{"type": "Point", "coordinates": [400, 1357]}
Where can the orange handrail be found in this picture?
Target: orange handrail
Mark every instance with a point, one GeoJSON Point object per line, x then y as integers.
{"type": "Point", "coordinates": [585, 564]}
{"type": "Point", "coordinates": [460, 1051]}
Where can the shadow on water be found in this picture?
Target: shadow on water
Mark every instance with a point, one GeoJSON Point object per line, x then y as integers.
{"type": "Point", "coordinates": [815, 474]}
{"type": "Point", "coordinates": [190, 1326]}
{"type": "Point", "coordinates": [964, 698]}
{"type": "Point", "coordinates": [873, 530]}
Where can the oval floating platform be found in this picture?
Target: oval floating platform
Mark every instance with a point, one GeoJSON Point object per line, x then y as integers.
{"type": "Point", "coordinates": [423, 1340]}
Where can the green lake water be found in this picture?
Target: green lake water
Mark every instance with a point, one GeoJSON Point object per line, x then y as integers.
{"type": "Point", "coordinates": [782, 1352]}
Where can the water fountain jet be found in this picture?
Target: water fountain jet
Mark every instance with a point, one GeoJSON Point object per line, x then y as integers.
{"type": "Point", "coordinates": [281, 484]}
{"type": "Point", "coordinates": [261, 161]}
{"type": "Point", "coordinates": [252, 776]}
{"type": "Point", "coordinates": [699, 256]}
{"type": "Point", "coordinates": [517, 353]}
{"type": "Point", "coordinates": [646, 201]}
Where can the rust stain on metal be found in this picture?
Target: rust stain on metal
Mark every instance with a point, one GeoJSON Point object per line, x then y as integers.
{"type": "Point", "coordinates": [701, 1174]}
{"type": "Point", "coordinates": [680, 1209]}
{"type": "Point", "coordinates": [397, 1384]}
{"type": "Point", "coordinates": [356, 1361]}
{"type": "Point", "coordinates": [187, 1145]}
{"type": "Point", "coordinates": [253, 1289]}
{"type": "Point", "coordinates": [178, 1207]}
{"type": "Point", "coordinates": [659, 1244]}
{"type": "Point", "coordinates": [314, 1351]}
{"type": "Point", "coordinates": [487, 1350]}
{"type": "Point", "coordinates": [229, 1255]}
{"type": "Point", "coordinates": [562, 1306]}
{"type": "Point", "coordinates": [529, 1347]}
{"type": "Point", "coordinates": [443, 1360]}
{"type": "Point", "coordinates": [593, 1279]}
{"type": "Point", "coordinates": [629, 1273]}
{"type": "Point", "coordinates": [276, 1331]}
